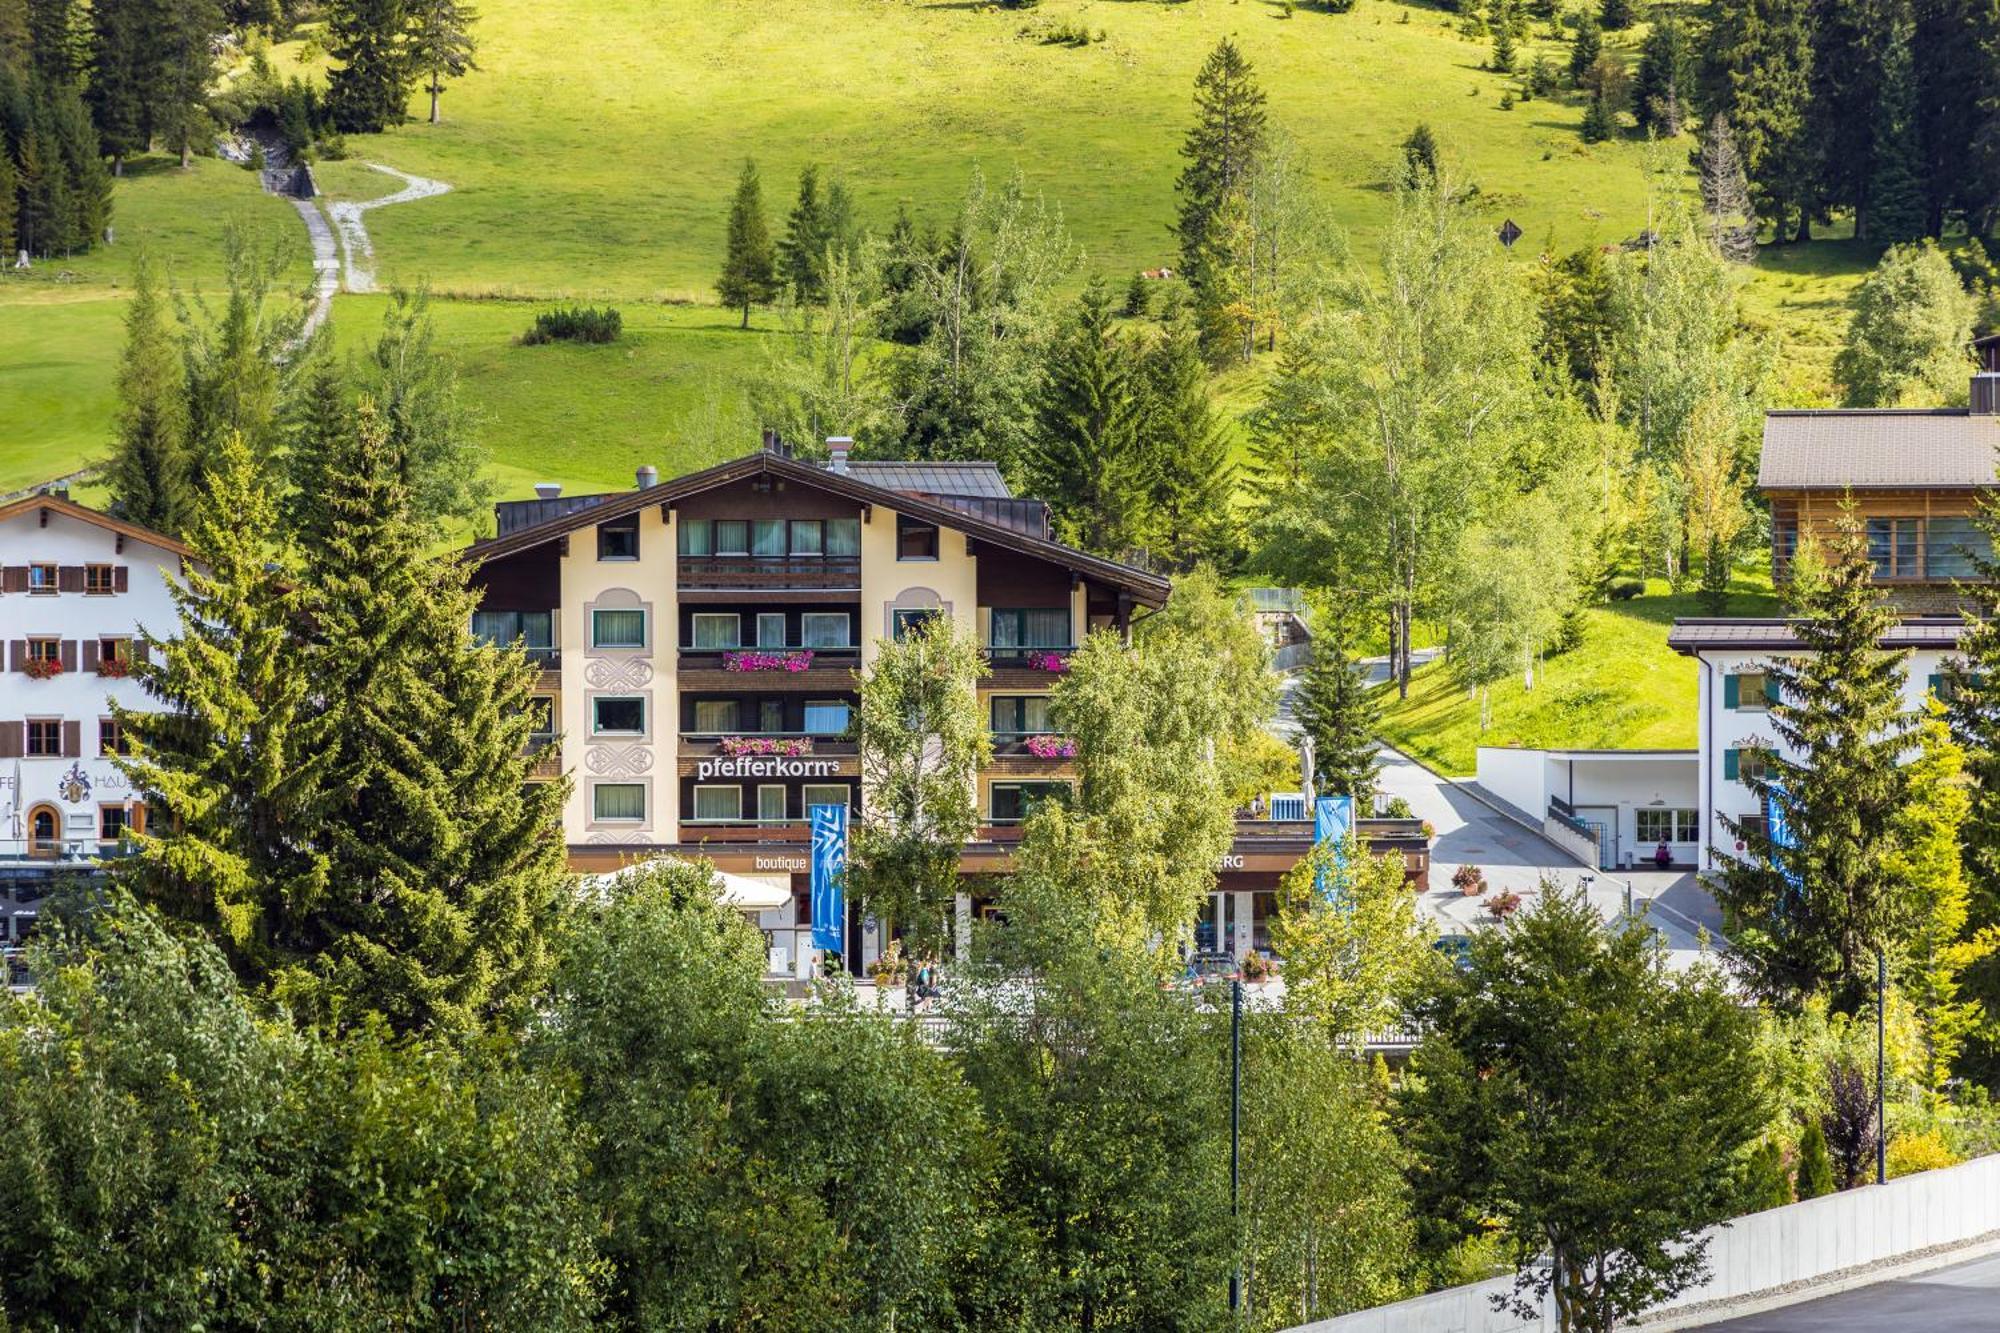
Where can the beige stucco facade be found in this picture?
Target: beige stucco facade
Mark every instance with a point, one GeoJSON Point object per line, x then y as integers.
{"type": "Point", "coordinates": [949, 583]}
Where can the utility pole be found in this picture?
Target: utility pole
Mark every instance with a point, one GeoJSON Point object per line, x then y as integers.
{"type": "Point", "coordinates": [1235, 1138]}
{"type": "Point", "coordinates": [1881, 1089]}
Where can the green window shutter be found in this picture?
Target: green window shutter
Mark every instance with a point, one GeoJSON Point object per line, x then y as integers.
{"type": "Point", "coordinates": [1729, 692]}
{"type": "Point", "coordinates": [1937, 684]}
{"type": "Point", "coordinates": [1729, 764]}
{"type": "Point", "coordinates": [1770, 690]}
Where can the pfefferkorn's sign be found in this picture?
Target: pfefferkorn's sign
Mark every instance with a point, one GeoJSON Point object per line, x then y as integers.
{"type": "Point", "coordinates": [766, 766]}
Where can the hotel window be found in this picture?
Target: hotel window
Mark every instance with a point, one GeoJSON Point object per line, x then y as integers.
{"type": "Point", "coordinates": [906, 621]}
{"type": "Point", "coordinates": [1895, 547]}
{"type": "Point", "coordinates": [767, 537]}
{"type": "Point", "coordinates": [732, 537]}
{"type": "Point", "coordinates": [114, 652]}
{"type": "Point", "coordinates": [1048, 628]}
{"type": "Point", "coordinates": [806, 534]}
{"type": "Point", "coordinates": [712, 717]}
{"type": "Point", "coordinates": [1954, 548]}
{"type": "Point", "coordinates": [827, 793]}
{"type": "Point", "coordinates": [618, 715]}
{"type": "Point", "coordinates": [42, 578]}
{"type": "Point", "coordinates": [618, 539]}
{"type": "Point", "coordinates": [1668, 826]}
{"type": "Point", "coordinates": [1741, 765]}
{"type": "Point", "coordinates": [824, 629]}
{"type": "Point", "coordinates": [771, 629]}
{"type": "Point", "coordinates": [618, 629]}
{"type": "Point", "coordinates": [112, 821]}
{"type": "Point", "coordinates": [618, 802]}
{"type": "Point", "coordinates": [697, 537]}
{"type": "Point", "coordinates": [771, 803]}
{"type": "Point", "coordinates": [45, 738]}
{"type": "Point", "coordinates": [915, 539]}
{"type": "Point", "coordinates": [1749, 692]}
{"type": "Point", "coordinates": [111, 737]}
{"type": "Point", "coordinates": [45, 650]}
{"type": "Point", "coordinates": [535, 630]}
{"type": "Point", "coordinates": [717, 629]}
{"type": "Point", "coordinates": [770, 715]}
{"type": "Point", "coordinates": [718, 803]}
{"type": "Point", "coordinates": [99, 580]}
{"type": "Point", "coordinates": [826, 717]}
{"type": "Point", "coordinates": [1021, 715]}
{"type": "Point", "coordinates": [1015, 801]}
{"type": "Point", "coordinates": [843, 537]}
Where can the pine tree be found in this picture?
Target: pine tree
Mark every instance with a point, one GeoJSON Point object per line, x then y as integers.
{"type": "Point", "coordinates": [1615, 14]}
{"type": "Point", "coordinates": [226, 753]}
{"type": "Point", "coordinates": [1085, 457]}
{"type": "Point", "coordinates": [749, 265]}
{"type": "Point", "coordinates": [1138, 296]}
{"type": "Point", "coordinates": [147, 474]}
{"type": "Point", "coordinates": [16, 46]}
{"type": "Point", "coordinates": [1725, 193]}
{"type": "Point", "coordinates": [441, 44]}
{"type": "Point", "coordinates": [368, 87]}
{"type": "Point", "coordinates": [1807, 918]}
{"type": "Point", "coordinates": [1502, 24]}
{"type": "Point", "coordinates": [1815, 1167]}
{"type": "Point", "coordinates": [1849, 40]}
{"type": "Point", "coordinates": [1420, 157]}
{"type": "Point", "coordinates": [86, 204]}
{"type": "Point", "coordinates": [239, 367]}
{"type": "Point", "coordinates": [1339, 710]}
{"type": "Point", "coordinates": [802, 253]}
{"type": "Point", "coordinates": [1185, 447]}
{"type": "Point", "coordinates": [182, 47]}
{"type": "Point", "coordinates": [1663, 91]}
{"type": "Point", "coordinates": [1584, 50]}
{"type": "Point", "coordinates": [55, 40]}
{"type": "Point", "coordinates": [1895, 212]}
{"type": "Point", "coordinates": [444, 860]}
{"type": "Point", "coordinates": [1221, 148]}
{"type": "Point", "coordinates": [117, 91]}
{"type": "Point", "coordinates": [1757, 70]}
{"type": "Point", "coordinates": [1952, 48]}
{"type": "Point", "coordinates": [1599, 123]}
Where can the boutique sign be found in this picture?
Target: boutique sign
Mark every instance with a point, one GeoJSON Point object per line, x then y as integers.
{"type": "Point", "coordinates": [766, 766]}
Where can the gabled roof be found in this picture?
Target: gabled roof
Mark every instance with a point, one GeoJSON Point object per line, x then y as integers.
{"type": "Point", "coordinates": [1878, 449]}
{"type": "Point", "coordinates": [1697, 634]}
{"type": "Point", "coordinates": [64, 505]}
{"type": "Point", "coordinates": [949, 478]}
{"type": "Point", "coordinates": [1144, 587]}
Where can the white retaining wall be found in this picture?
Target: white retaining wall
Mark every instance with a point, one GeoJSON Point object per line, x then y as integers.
{"type": "Point", "coordinates": [1796, 1252]}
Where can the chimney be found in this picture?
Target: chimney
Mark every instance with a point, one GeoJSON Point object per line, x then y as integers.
{"type": "Point", "coordinates": [1986, 394]}
{"type": "Point", "coordinates": [837, 447]}
{"type": "Point", "coordinates": [547, 490]}
{"type": "Point", "coordinates": [649, 477]}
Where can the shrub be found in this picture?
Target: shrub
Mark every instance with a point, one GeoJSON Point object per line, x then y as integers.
{"type": "Point", "coordinates": [1925, 1151]}
{"type": "Point", "coordinates": [1396, 807]}
{"type": "Point", "coordinates": [1765, 1184]}
{"type": "Point", "coordinates": [1815, 1168]}
{"type": "Point", "coordinates": [576, 324]}
{"type": "Point", "coordinates": [1624, 590]}
{"type": "Point", "coordinates": [1569, 631]}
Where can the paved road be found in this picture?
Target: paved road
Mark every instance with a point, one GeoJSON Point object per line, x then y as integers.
{"type": "Point", "coordinates": [1964, 1298]}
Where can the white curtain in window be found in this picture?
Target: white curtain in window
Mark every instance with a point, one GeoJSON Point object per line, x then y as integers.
{"type": "Point", "coordinates": [823, 629]}
{"type": "Point", "coordinates": [826, 717]}
{"type": "Point", "coordinates": [718, 631]}
{"type": "Point", "coordinates": [718, 803]}
{"type": "Point", "coordinates": [620, 800]}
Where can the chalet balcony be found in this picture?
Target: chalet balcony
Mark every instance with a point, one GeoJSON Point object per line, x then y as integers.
{"type": "Point", "coordinates": [760, 670]}
{"type": "Point", "coordinates": [740, 574]}
{"type": "Point", "coordinates": [788, 831]}
{"type": "Point", "coordinates": [1025, 668]}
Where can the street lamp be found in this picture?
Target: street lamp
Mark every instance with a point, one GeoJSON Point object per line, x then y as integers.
{"type": "Point", "coordinates": [1881, 1085]}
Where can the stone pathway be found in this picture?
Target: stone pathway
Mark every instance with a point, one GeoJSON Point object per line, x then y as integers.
{"type": "Point", "coordinates": [356, 251]}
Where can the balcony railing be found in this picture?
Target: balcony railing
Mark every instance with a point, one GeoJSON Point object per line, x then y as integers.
{"type": "Point", "coordinates": [77, 853]}
{"type": "Point", "coordinates": [818, 743]}
{"type": "Point", "coordinates": [1054, 660]}
{"type": "Point", "coordinates": [1033, 744]}
{"type": "Point", "coordinates": [547, 755]}
{"type": "Point", "coordinates": [751, 572]}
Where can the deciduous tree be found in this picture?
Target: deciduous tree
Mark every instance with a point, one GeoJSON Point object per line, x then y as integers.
{"type": "Point", "coordinates": [1908, 333]}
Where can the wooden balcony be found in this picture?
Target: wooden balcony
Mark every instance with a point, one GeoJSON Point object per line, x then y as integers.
{"type": "Point", "coordinates": [1025, 668]}
{"type": "Point", "coordinates": [762, 574]}
{"type": "Point", "coordinates": [831, 757]}
{"type": "Point", "coordinates": [706, 670]}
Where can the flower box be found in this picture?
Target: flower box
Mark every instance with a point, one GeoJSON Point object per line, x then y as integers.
{"type": "Point", "coordinates": [116, 667]}
{"type": "Point", "coordinates": [1046, 661]}
{"type": "Point", "coordinates": [778, 745]}
{"type": "Point", "coordinates": [42, 668]}
{"type": "Point", "coordinates": [1051, 747]}
{"type": "Point", "coordinates": [767, 661]}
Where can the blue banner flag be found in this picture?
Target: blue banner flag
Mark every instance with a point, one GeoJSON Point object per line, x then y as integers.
{"type": "Point", "coordinates": [829, 869]}
{"type": "Point", "coordinates": [1333, 821]}
{"type": "Point", "coordinates": [1778, 828]}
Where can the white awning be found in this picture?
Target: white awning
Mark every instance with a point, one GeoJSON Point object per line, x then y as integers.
{"type": "Point", "coordinates": [746, 893]}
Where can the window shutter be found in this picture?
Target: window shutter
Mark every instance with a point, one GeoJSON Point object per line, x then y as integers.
{"type": "Point", "coordinates": [1729, 764]}
{"type": "Point", "coordinates": [1937, 684]}
{"type": "Point", "coordinates": [1731, 687]}
{"type": "Point", "coordinates": [69, 578]}
{"type": "Point", "coordinates": [90, 654]}
{"type": "Point", "coordinates": [17, 655]}
{"type": "Point", "coordinates": [69, 654]}
{"type": "Point", "coordinates": [72, 740]}
{"type": "Point", "coordinates": [10, 739]}
{"type": "Point", "coordinates": [14, 578]}
{"type": "Point", "coordinates": [141, 651]}
{"type": "Point", "coordinates": [1771, 692]}
{"type": "Point", "coordinates": [121, 579]}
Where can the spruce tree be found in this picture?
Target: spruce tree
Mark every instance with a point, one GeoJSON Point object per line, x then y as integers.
{"type": "Point", "coordinates": [1663, 91]}
{"type": "Point", "coordinates": [1503, 37]}
{"type": "Point", "coordinates": [445, 862]}
{"type": "Point", "coordinates": [226, 754]}
{"type": "Point", "coordinates": [118, 74]}
{"type": "Point", "coordinates": [1848, 54]}
{"type": "Point", "coordinates": [1725, 193]}
{"type": "Point", "coordinates": [1757, 70]}
{"type": "Point", "coordinates": [1615, 14]}
{"type": "Point", "coordinates": [1972, 696]}
{"type": "Point", "coordinates": [1584, 50]}
{"type": "Point", "coordinates": [1221, 149]}
{"type": "Point", "coordinates": [1599, 123]}
{"type": "Point", "coordinates": [367, 90]}
{"type": "Point", "coordinates": [1184, 442]}
{"type": "Point", "coordinates": [749, 265]}
{"type": "Point", "coordinates": [147, 473]}
{"type": "Point", "coordinates": [181, 44]}
{"type": "Point", "coordinates": [1420, 158]}
{"type": "Point", "coordinates": [86, 202]}
{"type": "Point", "coordinates": [56, 40]}
{"type": "Point", "coordinates": [1338, 709]}
{"type": "Point", "coordinates": [1808, 917]}
{"type": "Point", "coordinates": [1896, 206]}
{"type": "Point", "coordinates": [10, 191]}
{"type": "Point", "coordinates": [441, 45]}
{"type": "Point", "coordinates": [1085, 457]}
{"type": "Point", "coordinates": [802, 253]}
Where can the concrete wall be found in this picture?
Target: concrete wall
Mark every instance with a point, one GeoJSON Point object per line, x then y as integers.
{"type": "Point", "coordinates": [1607, 790]}
{"type": "Point", "coordinates": [1519, 777]}
{"type": "Point", "coordinates": [1813, 1247]}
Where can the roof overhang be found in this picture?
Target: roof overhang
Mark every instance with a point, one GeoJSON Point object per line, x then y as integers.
{"type": "Point", "coordinates": [1694, 636]}
{"type": "Point", "coordinates": [62, 505]}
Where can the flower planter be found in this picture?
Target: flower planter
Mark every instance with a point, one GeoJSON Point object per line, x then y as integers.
{"type": "Point", "coordinates": [42, 668]}
{"type": "Point", "coordinates": [1051, 747]}
{"type": "Point", "coordinates": [767, 661]}
{"type": "Point", "coordinates": [787, 746]}
{"type": "Point", "coordinates": [1051, 662]}
{"type": "Point", "coordinates": [114, 668]}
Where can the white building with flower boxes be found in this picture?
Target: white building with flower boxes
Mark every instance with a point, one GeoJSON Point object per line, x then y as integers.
{"type": "Point", "coordinates": [76, 588]}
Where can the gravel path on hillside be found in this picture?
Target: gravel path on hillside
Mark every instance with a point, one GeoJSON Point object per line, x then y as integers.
{"type": "Point", "coordinates": [357, 252]}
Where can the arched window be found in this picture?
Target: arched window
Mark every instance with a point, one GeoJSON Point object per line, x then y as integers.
{"type": "Point", "coordinates": [44, 831]}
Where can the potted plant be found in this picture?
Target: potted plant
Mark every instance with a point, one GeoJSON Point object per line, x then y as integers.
{"type": "Point", "coordinates": [1052, 747]}
{"type": "Point", "coordinates": [1255, 967]}
{"type": "Point", "coordinates": [42, 668]}
{"type": "Point", "coordinates": [115, 667]}
{"type": "Point", "coordinates": [767, 661]}
{"type": "Point", "coordinates": [1469, 881]}
{"type": "Point", "coordinates": [1503, 904]}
